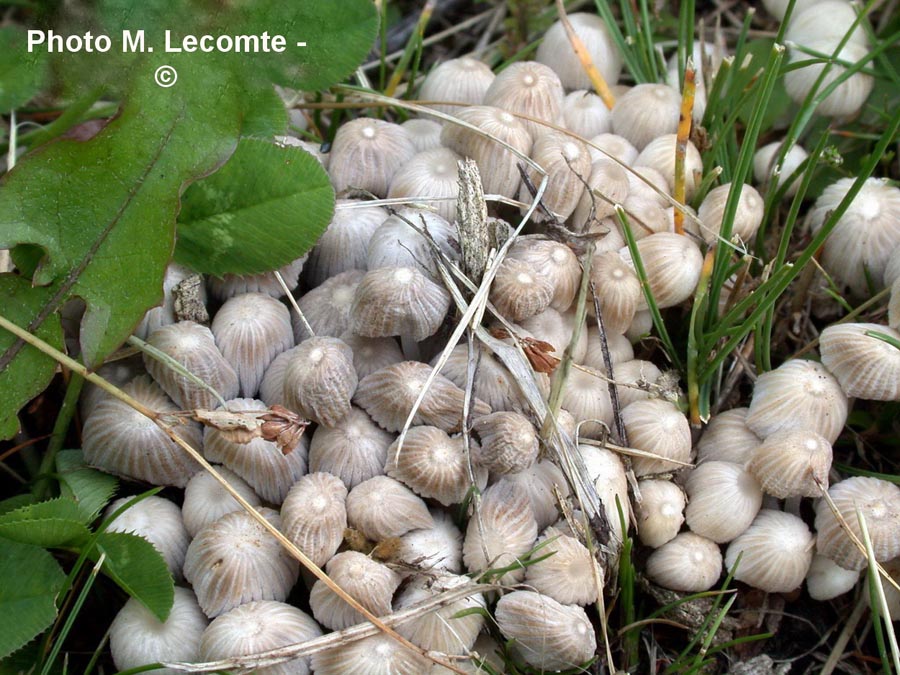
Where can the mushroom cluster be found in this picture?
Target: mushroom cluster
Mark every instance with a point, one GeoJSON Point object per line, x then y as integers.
{"type": "Point", "coordinates": [417, 470]}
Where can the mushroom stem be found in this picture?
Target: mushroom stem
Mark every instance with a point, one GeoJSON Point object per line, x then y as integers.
{"type": "Point", "coordinates": [410, 348]}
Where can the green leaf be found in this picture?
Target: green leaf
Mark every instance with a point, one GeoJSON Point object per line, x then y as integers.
{"type": "Point", "coordinates": [56, 522]}
{"type": "Point", "coordinates": [90, 489]}
{"type": "Point", "coordinates": [264, 208]}
{"type": "Point", "coordinates": [139, 569]}
{"type": "Point", "coordinates": [21, 73]}
{"type": "Point", "coordinates": [31, 371]}
{"type": "Point", "coordinates": [31, 581]}
{"type": "Point", "coordinates": [16, 502]}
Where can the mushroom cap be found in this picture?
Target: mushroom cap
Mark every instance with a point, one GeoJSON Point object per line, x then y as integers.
{"type": "Point", "coordinates": [344, 245]}
{"type": "Point", "coordinates": [765, 170]}
{"type": "Point", "coordinates": [556, 329]}
{"type": "Point", "coordinates": [542, 481]}
{"type": "Point", "coordinates": [319, 380]}
{"type": "Point", "coordinates": [775, 552]}
{"type": "Point", "coordinates": [554, 260]}
{"type": "Point", "coordinates": [425, 134]}
{"type": "Point", "coordinates": [547, 635]}
{"type": "Point", "coordinates": [620, 350]}
{"type": "Point", "coordinates": [645, 112]}
{"type": "Point", "coordinates": [660, 512]}
{"type": "Point", "coordinates": [235, 560]}
{"type": "Point", "coordinates": [366, 153]}
{"type": "Point", "coordinates": [509, 442]}
{"type": "Point", "coordinates": [528, 88]}
{"type": "Point", "coordinates": [252, 329]}
{"type": "Point", "coordinates": [434, 549]}
{"type": "Point", "coordinates": [659, 154]}
{"type": "Point", "coordinates": [826, 580]}
{"type": "Point", "coordinates": [519, 291]}
{"type": "Point", "coordinates": [798, 395]}
{"type": "Point", "coordinates": [261, 463]}
{"type": "Point", "coordinates": [434, 465]}
{"type": "Point", "coordinates": [432, 174]}
{"type": "Point", "coordinates": [383, 507]}
{"type": "Point", "coordinates": [586, 114]}
{"type": "Point", "coordinates": [371, 354]}
{"type": "Point", "coordinates": [259, 627]}
{"type": "Point", "coordinates": [569, 576]}
{"type": "Point", "coordinates": [118, 439]}
{"type": "Point", "coordinates": [618, 290]}
{"type": "Point", "coordinates": [723, 499]}
{"type": "Point", "coordinates": [194, 347]}
{"type": "Point", "coordinates": [137, 637]}
{"type": "Point", "coordinates": [659, 427]}
{"type": "Point", "coordinates": [354, 450]}
{"type": "Point", "coordinates": [441, 630]}
{"type": "Point", "coordinates": [607, 186]}
{"type": "Point", "coordinates": [398, 301]}
{"type": "Point", "coordinates": [556, 51]}
{"type": "Point", "coordinates": [586, 397]}
{"type": "Point", "coordinates": [399, 242]}
{"type": "Point", "coordinates": [727, 438]}
{"type": "Point", "coordinates": [605, 470]}
{"type": "Point", "coordinates": [672, 263]}
{"type": "Point", "coordinates": [369, 582]}
{"type": "Point", "coordinates": [229, 285]}
{"type": "Point", "coordinates": [567, 163]}
{"type": "Point", "coordinates": [866, 366]}
{"type": "Point", "coordinates": [164, 314]}
{"type": "Point", "coordinates": [612, 146]}
{"type": "Point", "coordinates": [314, 515]}
{"type": "Point", "coordinates": [635, 380]}
{"type": "Point", "coordinates": [824, 20]}
{"type": "Point", "coordinates": [747, 218]}
{"type": "Point", "coordinates": [879, 503]}
{"type": "Point", "coordinates": [493, 383]}
{"type": "Point", "coordinates": [849, 96]}
{"type": "Point", "coordinates": [379, 654]}
{"type": "Point", "coordinates": [205, 500]}
{"type": "Point", "coordinates": [793, 463]}
{"type": "Point", "coordinates": [688, 563]}
{"type": "Point", "coordinates": [326, 307]}
{"type": "Point", "coordinates": [462, 80]}
{"type": "Point", "coordinates": [157, 520]}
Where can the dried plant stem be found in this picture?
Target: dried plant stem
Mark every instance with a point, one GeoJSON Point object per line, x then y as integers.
{"type": "Point", "coordinates": [684, 131]}
{"type": "Point", "coordinates": [163, 422]}
{"type": "Point", "coordinates": [600, 85]}
{"type": "Point", "coordinates": [294, 305]}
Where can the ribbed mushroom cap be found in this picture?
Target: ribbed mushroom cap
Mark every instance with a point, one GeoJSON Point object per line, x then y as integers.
{"type": "Point", "coordinates": [137, 637]}
{"type": "Point", "coordinates": [320, 380]}
{"type": "Point", "coordinates": [542, 481]}
{"type": "Point", "coordinates": [160, 522]}
{"type": "Point", "coordinates": [425, 134]}
{"type": "Point", "coordinates": [205, 500]}
{"type": "Point", "coordinates": [546, 634]}
{"type": "Point", "coordinates": [688, 563]}
{"type": "Point", "coordinates": [528, 88]}
{"type": "Point", "coordinates": [345, 243]}
{"type": "Point", "coordinates": [371, 354]}
{"type": "Point", "coordinates": [271, 389]}
{"type": "Point", "coordinates": [826, 580]}
{"type": "Point", "coordinates": [327, 307]}
{"type": "Point", "coordinates": [879, 503]}
{"type": "Point", "coordinates": [646, 215]}
{"type": "Point", "coordinates": [635, 380]}
{"type": "Point", "coordinates": [430, 174]}
{"type": "Point", "coordinates": [503, 531]}
{"type": "Point", "coordinates": [859, 246]}
{"type": "Point", "coordinates": [723, 499]}
{"type": "Point", "coordinates": [230, 285]}
{"type": "Point", "coordinates": [251, 330]}
{"type": "Point", "coordinates": [658, 427]}
{"type": "Point", "coordinates": [369, 582]}
{"type": "Point", "coordinates": [434, 465]}
{"type": "Point", "coordinates": [556, 51]}
{"type": "Point", "coordinates": [585, 114]}
{"type": "Point", "coordinates": [497, 165]}
{"type": "Point", "coordinates": [556, 329]}
{"type": "Point", "coordinates": [509, 442]}
{"type": "Point", "coordinates": [520, 291]}
{"type": "Point", "coordinates": [567, 163]}
{"type": "Point", "coordinates": [586, 397]}
{"type": "Point", "coordinates": [266, 468]}
{"type": "Point", "coordinates": [399, 242]}
{"type": "Point", "coordinates": [672, 263]}
{"type": "Point", "coordinates": [618, 290]}
{"type": "Point", "coordinates": [766, 171]}
{"type": "Point", "coordinates": [866, 366]}
{"type": "Point", "coordinates": [554, 260]}
{"type": "Point", "coordinates": [824, 20]}
{"type": "Point", "coordinates": [259, 627]}
{"type": "Point", "coordinates": [463, 80]}
{"type": "Point", "coordinates": [398, 301]}
{"type": "Point", "coordinates": [607, 186]}
{"type": "Point", "coordinates": [235, 560]}
{"type": "Point", "coordinates": [434, 549]}
{"type": "Point", "coordinates": [388, 396]}
{"type": "Point", "coordinates": [727, 438]}
{"type": "Point", "coordinates": [849, 96]}
{"type": "Point", "coordinates": [383, 507]}
{"type": "Point", "coordinates": [607, 146]}
{"type": "Point", "coordinates": [493, 383]}
{"type": "Point", "coordinates": [569, 576]}
{"type": "Point", "coordinates": [659, 154]}
{"type": "Point", "coordinates": [314, 514]}
{"type": "Point", "coordinates": [606, 471]}
{"type": "Point", "coordinates": [775, 552]}
{"type": "Point", "coordinates": [441, 630]}
{"type": "Point", "coordinates": [645, 112]}
{"type": "Point", "coordinates": [354, 450]}
{"type": "Point", "coordinates": [620, 350]}
{"type": "Point", "coordinates": [660, 512]}
{"type": "Point", "coordinates": [194, 347]}
{"type": "Point", "coordinates": [747, 218]}
{"type": "Point", "coordinates": [792, 464]}
{"type": "Point", "coordinates": [798, 395]}
{"type": "Point", "coordinates": [376, 655]}
{"type": "Point", "coordinates": [366, 154]}
{"type": "Point", "coordinates": [118, 439]}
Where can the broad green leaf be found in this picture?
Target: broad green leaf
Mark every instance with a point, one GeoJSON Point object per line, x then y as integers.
{"type": "Point", "coordinates": [139, 569]}
{"type": "Point", "coordinates": [264, 208]}
{"type": "Point", "coordinates": [31, 371]}
{"type": "Point", "coordinates": [16, 502]}
{"type": "Point", "coordinates": [55, 522]}
{"type": "Point", "coordinates": [21, 73]}
{"type": "Point", "coordinates": [90, 489]}
{"type": "Point", "coordinates": [104, 213]}
{"type": "Point", "coordinates": [31, 581]}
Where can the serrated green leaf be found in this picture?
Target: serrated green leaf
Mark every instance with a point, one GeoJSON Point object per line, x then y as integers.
{"type": "Point", "coordinates": [90, 489]}
{"type": "Point", "coordinates": [16, 502]}
{"type": "Point", "coordinates": [21, 73]}
{"type": "Point", "coordinates": [264, 208]}
{"type": "Point", "coordinates": [31, 581]}
{"type": "Point", "coordinates": [31, 371]}
{"type": "Point", "coordinates": [139, 569]}
{"type": "Point", "coordinates": [55, 522]}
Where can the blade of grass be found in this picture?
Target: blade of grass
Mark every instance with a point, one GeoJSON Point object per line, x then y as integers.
{"type": "Point", "coordinates": [881, 615]}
